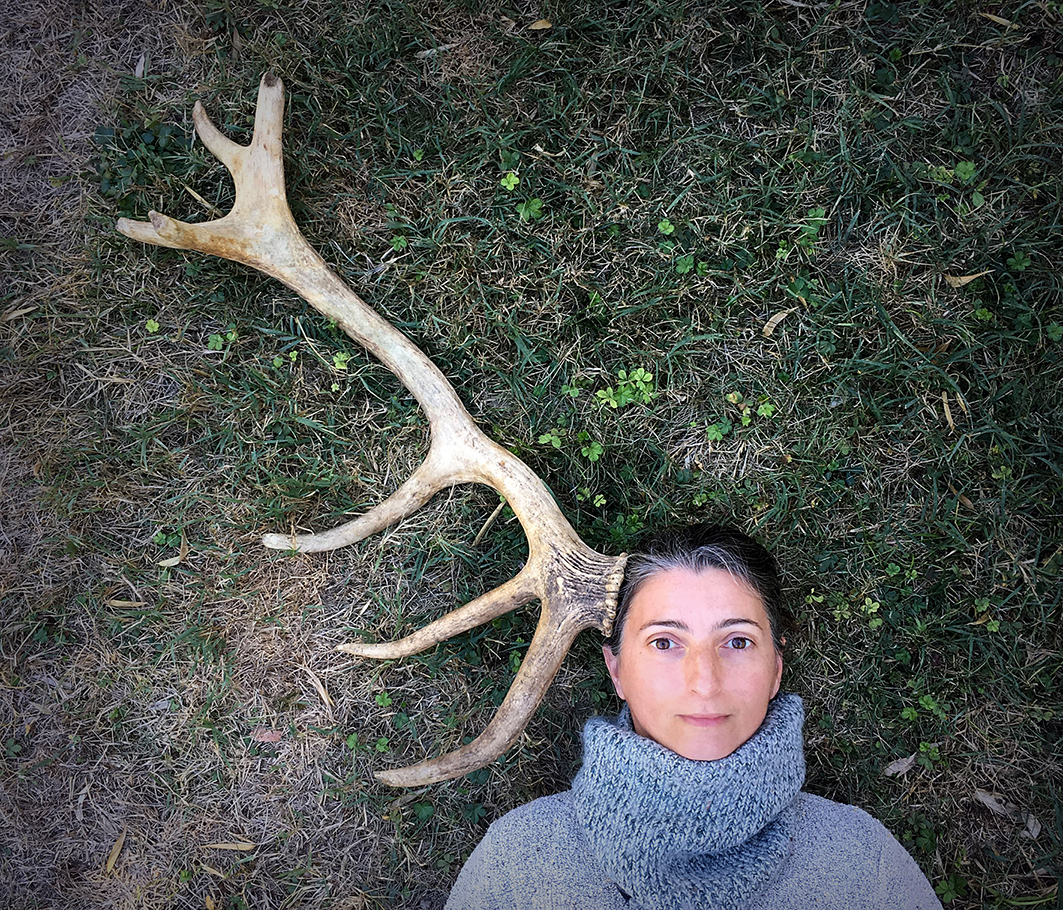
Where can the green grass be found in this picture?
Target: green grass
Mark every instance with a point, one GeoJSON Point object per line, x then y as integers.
{"type": "Point", "coordinates": [699, 170]}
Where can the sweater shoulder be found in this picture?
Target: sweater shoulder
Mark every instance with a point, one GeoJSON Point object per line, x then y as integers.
{"type": "Point", "coordinates": [535, 857]}
{"type": "Point", "coordinates": [845, 832]}
{"type": "Point", "coordinates": [532, 835]}
{"type": "Point", "coordinates": [547, 813]}
{"type": "Point", "coordinates": [819, 811]}
{"type": "Point", "coordinates": [843, 857]}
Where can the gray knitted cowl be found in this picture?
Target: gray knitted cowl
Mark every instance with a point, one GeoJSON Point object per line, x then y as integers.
{"type": "Point", "coordinates": [675, 833]}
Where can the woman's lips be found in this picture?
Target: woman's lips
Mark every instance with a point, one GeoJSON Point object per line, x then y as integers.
{"type": "Point", "coordinates": [704, 720]}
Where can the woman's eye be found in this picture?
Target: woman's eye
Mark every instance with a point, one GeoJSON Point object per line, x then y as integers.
{"type": "Point", "coordinates": [739, 643]}
{"type": "Point", "coordinates": [662, 644]}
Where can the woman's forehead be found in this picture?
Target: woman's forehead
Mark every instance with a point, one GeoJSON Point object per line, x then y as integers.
{"type": "Point", "coordinates": [683, 595]}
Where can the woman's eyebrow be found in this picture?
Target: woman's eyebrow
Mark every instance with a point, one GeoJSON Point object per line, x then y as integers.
{"type": "Point", "coordinates": [683, 627]}
{"type": "Point", "coordinates": [736, 622]}
{"type": "Point", "coordinates": [666, 624]}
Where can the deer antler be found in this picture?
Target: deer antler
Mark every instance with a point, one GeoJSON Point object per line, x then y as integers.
{"type": "Point", "coordinates": [575, 585]}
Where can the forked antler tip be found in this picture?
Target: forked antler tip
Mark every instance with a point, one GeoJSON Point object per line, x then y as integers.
{"type": "Point", "coordinates": [129, 227]}
{"type": "Point", "coordinates": [157, 231]}
{"type": "Point", "coordinates": [163, 224]}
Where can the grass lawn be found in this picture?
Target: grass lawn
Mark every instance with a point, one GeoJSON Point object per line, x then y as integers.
{"type": "Point", "coordinates": [789, 265]}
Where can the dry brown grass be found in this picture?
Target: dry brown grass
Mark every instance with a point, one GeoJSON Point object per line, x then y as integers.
{"type": "Point", "coordinates": [95, 746]}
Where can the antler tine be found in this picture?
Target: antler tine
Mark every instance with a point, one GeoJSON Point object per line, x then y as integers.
{"type": "Point", "coordinates": [575, 585]}
{"type": "Point", "coordinates": [578, 591]}
{"type": "Point", "coordinates": [145, 232]}
{"type": "Point", "coordinates": [553, 636]}
{"type": "Point", "coordinates": [220, 145]}
{"type": "Point", "coordinates": [420, 487]}
{"type": "Point", "coordinates": [514, 593]}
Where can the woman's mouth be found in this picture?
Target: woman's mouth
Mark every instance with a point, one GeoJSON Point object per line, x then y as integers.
{"type": "Point", "coordinates": [704, 720]}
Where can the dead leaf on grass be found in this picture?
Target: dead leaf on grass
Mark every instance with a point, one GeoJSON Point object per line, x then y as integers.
{"type": "Point", "coordinates": [958, 281]}
{"type": "Point", "coordinates": [1007, 23]}
{"type": "Point", "coordinates": [961, 497]}
{"type": "Point", "coordinates": [209, 903]}
{"type": "Point", "coordinates": [948, 410]}
{"type": "Point", "coordinates": [262, 735]}
{"type": "Point", "coordinates": [115, 851]}
{"type": "Point", "coordinates": [14, 314]}
{"type": "Point", "coordinates": [538, 148]}
{"type": "Point", "coordinates": [433, 51]}
{"type": "Point", "coordinates": [79, 812]}
{"type": "Point", "coordinates": [181, 556]}
{"type": "Point", "coordinates": [240, 845]}
{"type": "Point", "coordinates": [900, 766]}
{"type": "Point", "coordinates": [539, 24]}
{"type": "Point", "coordinates": [772, 324]}
{"type": "Point", "coordinates": [319, 685]}
{"type": "Point", "coordinates": [1031, 826]}
{"type": "Point", "coordinates": [209, 206]}
{"type": "Point", "coordinates": [125, 603]}
{"type": "Point", "coordinates": [992, 803]}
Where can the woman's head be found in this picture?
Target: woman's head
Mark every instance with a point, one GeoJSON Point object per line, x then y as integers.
{"type": "Point", "coordinates": [696, 646]}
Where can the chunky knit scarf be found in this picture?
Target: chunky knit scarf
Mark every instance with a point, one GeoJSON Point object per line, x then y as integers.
{"type": "Point", "coordinates": [675, 833]}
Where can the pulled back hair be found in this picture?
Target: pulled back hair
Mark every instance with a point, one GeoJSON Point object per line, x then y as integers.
{"type": "Point", "coordinates": [697, 548]}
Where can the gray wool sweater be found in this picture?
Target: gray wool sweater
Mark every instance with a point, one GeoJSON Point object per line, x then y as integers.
{"type": "Point", "coordinates": [537, 857]}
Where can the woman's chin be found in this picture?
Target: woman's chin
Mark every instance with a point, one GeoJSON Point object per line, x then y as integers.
{"type": "Point", "coordinates": [704, 751]}
{"type": "Point", "coordinates": [702, 744]}
{"type": "Point", "coordinates": [698, 737]}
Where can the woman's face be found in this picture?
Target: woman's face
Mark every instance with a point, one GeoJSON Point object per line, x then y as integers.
{"type": "Point", "coordinates": [697, 666]}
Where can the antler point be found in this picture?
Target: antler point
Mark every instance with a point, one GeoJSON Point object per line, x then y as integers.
{"type": "Point", "coordinates": [348, 648]}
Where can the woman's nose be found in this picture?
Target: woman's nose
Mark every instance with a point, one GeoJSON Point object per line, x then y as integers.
{"type": "Point", "coordinates": [702, 673]}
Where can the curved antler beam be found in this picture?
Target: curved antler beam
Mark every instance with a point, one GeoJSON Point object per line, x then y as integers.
{"type": "Point", "coordinates": [575, 585]}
